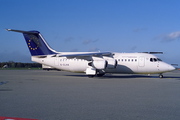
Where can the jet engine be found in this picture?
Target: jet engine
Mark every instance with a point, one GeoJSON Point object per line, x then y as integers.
{"type": "Point", "coordinates": [112, 63]}
{"type": "Point", "coordinates": [99, 64]}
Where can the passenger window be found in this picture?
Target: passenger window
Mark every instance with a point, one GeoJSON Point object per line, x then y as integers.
{"type": "Point", "coordinates": [132, 60]}
{"type": "Point", "coordinates": [128, 59]}
{"type": "Point", "coordinates": [125, 59]}
{"type": "Point", "coordinates": [122, 60]}
{"type": "Point", "coordinates": [135, 60]}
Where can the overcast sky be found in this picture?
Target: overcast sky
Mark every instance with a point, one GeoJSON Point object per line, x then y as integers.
{"type": "Point", "coordinates": [92, 25]}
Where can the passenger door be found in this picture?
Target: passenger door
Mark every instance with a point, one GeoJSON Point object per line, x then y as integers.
{"type": "Point", "coordinates": [141, 61]}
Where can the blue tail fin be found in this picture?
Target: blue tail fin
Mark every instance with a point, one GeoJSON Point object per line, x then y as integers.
{"type": "Point", "coordinates": [36, 43]}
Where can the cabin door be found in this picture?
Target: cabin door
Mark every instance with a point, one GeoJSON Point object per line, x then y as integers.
{"type": "Point", "coordinates": [141, 61]}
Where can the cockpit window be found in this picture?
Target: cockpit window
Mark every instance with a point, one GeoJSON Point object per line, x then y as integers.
{"type": "Point", "coordinates": [159, 59]}
{"type": "Point", "coordinates": [151, 59]}
{"type": "Point", "coordinates": [155, 59]}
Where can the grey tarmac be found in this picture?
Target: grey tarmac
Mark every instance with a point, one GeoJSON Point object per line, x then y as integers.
{"type": "Point", "coordinates": [59, 95]}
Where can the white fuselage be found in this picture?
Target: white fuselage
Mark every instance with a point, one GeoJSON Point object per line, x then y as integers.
{"type": "Point", "coordinates": [128, 63]}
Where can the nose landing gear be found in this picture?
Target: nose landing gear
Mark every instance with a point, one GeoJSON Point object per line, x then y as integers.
{"type": "Point", "coordinates": [160, 75]}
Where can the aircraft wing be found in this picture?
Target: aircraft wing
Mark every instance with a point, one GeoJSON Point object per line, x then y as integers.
{"type": "Point", "coordinates": [85, 55]}
{"type": "Point", "coordinates": [153, 52]}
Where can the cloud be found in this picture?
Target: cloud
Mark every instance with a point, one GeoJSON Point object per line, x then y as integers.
{"type": "Point", "coordinates": [94, 49]}
{"type": "Point", "coordinates": [95, 40]}
{"type": "Point", "coordinates": [133, 47]}
{"type": "Point", "coordinates": [56, 36]}
{"type": "Point", "coordinates": [140, 29]}
{"type": "Point", "coordinates": [85, 42]}
{"type": "Point", "coordinates": [169, 37]}
{"type": "Point", "coordinates": [74, 50]}
{"type": "Point", "coordinates": [69, 39]}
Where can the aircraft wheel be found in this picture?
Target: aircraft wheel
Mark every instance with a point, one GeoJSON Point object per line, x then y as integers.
{"type": "Point", "coordinates": [100, 75]}
{"type": "Point", "coordinates": [90, 76]}
{"type": "Point", "coordinates": [160, 76]}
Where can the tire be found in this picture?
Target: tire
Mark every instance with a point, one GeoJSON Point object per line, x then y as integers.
{"type": "Point", "coordinates": [91, 76]}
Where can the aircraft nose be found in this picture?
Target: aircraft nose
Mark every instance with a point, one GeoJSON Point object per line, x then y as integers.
{"type": "Point", "coordinates": [171, 68]}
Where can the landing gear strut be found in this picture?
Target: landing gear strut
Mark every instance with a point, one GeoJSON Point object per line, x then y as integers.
{"type": "Point", "coordinates": [160, 76]}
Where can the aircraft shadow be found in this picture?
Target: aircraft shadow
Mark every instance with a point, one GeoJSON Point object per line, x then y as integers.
{"type": "Point", "coordinates": [138, 76]}
{"type": "Point", "coordinates": [126, 76]}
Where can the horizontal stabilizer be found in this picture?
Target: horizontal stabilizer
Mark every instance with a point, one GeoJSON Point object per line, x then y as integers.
{"type": "Point", "coordinates": [21, 31]}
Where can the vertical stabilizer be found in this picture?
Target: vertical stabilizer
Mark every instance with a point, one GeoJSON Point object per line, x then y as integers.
{"type": "Point", "coordinates": [36, 43]}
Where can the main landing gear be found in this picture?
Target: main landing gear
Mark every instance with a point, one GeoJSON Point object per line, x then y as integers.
{"type": "Point", "coordinates": [98, 75]}
{"type": "Point", "coordinates": [160, 75]}
{"type": "Point", "coordinates": [91, 76]}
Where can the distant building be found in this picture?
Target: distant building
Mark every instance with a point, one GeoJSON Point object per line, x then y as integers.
{"type": "Point", "coordinates": [5, 66]}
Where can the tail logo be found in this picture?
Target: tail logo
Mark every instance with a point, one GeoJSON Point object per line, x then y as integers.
{"type": "Point", "coordinates": [33, 43]}
{"type": "Point", "coordinates": [36, 43]}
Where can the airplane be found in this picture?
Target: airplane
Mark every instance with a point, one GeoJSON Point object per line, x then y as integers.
{"type": "Point", "coordinates": [93, 63]}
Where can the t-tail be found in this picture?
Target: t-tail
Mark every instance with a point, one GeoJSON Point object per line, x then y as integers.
{"type": "Point", "coordinates": [36, 43]}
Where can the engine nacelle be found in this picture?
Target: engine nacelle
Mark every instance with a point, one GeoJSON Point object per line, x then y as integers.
{"type": "Point", "coordinates": [99, 64]}
{"type": "Point", "coordinates": [112, 63]}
